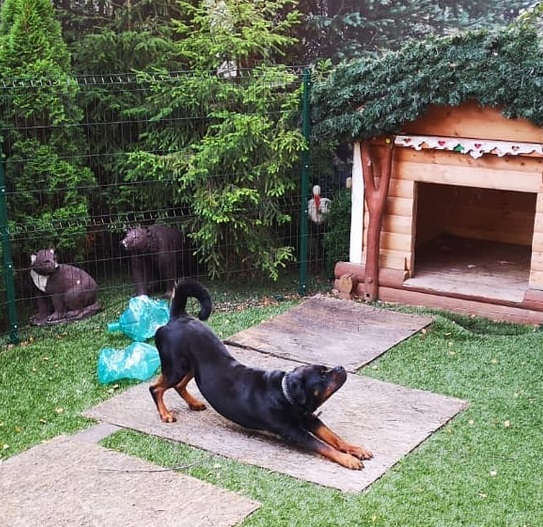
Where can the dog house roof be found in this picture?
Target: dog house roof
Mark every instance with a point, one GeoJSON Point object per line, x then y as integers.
{"type": "Point", "coordinates": [373, 97]}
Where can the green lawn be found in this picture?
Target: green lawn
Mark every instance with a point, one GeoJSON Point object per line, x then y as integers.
{"type": "Point", "coordinates": [482, 469]}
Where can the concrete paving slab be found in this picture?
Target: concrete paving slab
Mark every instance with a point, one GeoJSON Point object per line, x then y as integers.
{"type": "Point", "coordinates": [391, 420]}
{"type": "Point", "coordinates": [96, 433]}
{"type": "Point", "coordinates": [331, 331]}
{"type": "Point", "coordinates": [74, 483]}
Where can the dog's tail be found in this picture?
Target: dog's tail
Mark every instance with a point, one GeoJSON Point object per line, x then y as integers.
{"type": "Point", "coordinates": [190, 288]}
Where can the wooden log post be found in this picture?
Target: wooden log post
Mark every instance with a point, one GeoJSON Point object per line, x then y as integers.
{"type": "Point", "coordinates": [376, 184]}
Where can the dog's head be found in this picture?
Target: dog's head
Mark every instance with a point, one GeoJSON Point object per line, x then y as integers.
{"type": "Point", "coordinates": [310, 386]}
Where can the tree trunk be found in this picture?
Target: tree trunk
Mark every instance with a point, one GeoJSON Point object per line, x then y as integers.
{"type": "Point", "coordinates": [376, 185]}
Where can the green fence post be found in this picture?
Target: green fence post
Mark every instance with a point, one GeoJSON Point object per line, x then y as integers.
{"type": "Point", "coordinates": [306, 158]}
{"type": "Point", "coordinates": [6, 260]}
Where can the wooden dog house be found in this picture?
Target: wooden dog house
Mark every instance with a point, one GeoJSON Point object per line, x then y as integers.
{"type": "Point", "coordinates": [448, 213]}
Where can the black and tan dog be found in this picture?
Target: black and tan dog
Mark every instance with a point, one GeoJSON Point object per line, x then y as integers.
{"type": "Point", "coordinates": [273, 401]}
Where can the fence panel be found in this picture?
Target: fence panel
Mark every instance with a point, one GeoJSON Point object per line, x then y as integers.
{"type": "Point", "coordinates": [137, 156]}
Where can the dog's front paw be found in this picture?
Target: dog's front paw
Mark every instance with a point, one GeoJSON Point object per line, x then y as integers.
{"type": "Point", "coordinates": [360, 452]}
{"type": "Point", "coordinates": [349, 461]}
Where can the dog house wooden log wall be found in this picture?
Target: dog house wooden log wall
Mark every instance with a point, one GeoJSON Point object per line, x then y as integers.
{"type": "Point", "coordinates": [461, 226]}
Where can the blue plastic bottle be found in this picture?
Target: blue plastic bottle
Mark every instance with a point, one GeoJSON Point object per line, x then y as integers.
{"type": "Point", "coordinates": [137, 361]}
{"type": "Point", "coordinates": [142, 318]}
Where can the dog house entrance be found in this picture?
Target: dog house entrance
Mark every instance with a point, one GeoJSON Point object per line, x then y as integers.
{"type": "Point", "coordinates": [472, 242]}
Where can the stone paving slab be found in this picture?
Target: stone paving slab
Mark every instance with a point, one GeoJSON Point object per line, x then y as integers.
{"type": "Point", "coordinates": [71, 482]}
{"type": "Point", "coordinates": [389, 419]}
{"type": "Point", "coordinates": [330, 331]}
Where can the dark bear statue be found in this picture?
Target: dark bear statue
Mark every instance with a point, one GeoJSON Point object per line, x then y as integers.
{"type": "Point", "coordinates": [64, 293]}
{"type": "Point", "coordinates": [159, 256]}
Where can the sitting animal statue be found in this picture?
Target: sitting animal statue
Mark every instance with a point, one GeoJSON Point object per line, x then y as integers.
{"type": "Point", "coordinates": [64, 293]}
{"type": "Point", "coordinates": [159, 256]}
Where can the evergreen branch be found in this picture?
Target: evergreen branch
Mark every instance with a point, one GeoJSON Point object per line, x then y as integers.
{"type": "Point", "coordinates": [372, 97]}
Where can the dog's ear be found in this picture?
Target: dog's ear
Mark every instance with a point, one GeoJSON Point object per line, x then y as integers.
{"type": "Point", "coordinates": [297, 390]}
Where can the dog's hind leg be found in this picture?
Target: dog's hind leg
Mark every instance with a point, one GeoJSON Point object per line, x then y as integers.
{"type": "Point", "coordinates": [181, 389]}
{"type": "Point", "coordinates": [157, 391]}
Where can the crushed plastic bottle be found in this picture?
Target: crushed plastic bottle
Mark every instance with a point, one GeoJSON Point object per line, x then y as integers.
{"type": "Point", "coordinates": [142, 318]}
{"type": "Point", "coordinates": [137, 361]}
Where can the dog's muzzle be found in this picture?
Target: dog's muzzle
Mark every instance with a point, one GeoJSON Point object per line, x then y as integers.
{"type": "Point", "coordinates": [339, 374]}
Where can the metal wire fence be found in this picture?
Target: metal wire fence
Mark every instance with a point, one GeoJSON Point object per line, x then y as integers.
{"type": "Point", "coordinates": [85, 193]}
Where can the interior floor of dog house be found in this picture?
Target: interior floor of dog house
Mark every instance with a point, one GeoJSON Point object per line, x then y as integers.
{"type": "Point", "coordinates": [474, 242]}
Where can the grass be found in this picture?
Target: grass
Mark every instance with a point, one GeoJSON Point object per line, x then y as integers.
{"type": "Point", "coordinates": [481, 470]}
{"type": "Point", "coordinates": [50, 377]}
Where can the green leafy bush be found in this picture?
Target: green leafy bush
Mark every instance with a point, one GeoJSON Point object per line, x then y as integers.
{"type": "Point", "coordinates": [336, 239]}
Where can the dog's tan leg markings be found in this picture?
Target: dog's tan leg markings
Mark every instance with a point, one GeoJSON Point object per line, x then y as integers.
{"type": "Point", "coordinates": [325, 434]}
{"type": "Point", "coordinates": [181, 389]}
{"type": "Point", "coordinates": [344, 459]}
{"type": "Point", "coordinates": [157, 391]}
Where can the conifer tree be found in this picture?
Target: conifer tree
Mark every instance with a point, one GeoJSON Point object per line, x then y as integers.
{"type": "Point", "coordinates": [42, 142]}
{"type": "Point", "coordinates": [227, 132]}
{"type": "Point", "coordinates": [344, 30]}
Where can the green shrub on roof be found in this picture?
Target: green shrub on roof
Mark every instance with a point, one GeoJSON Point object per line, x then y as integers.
{"type": "Point", "coordinates": [371, 97]}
